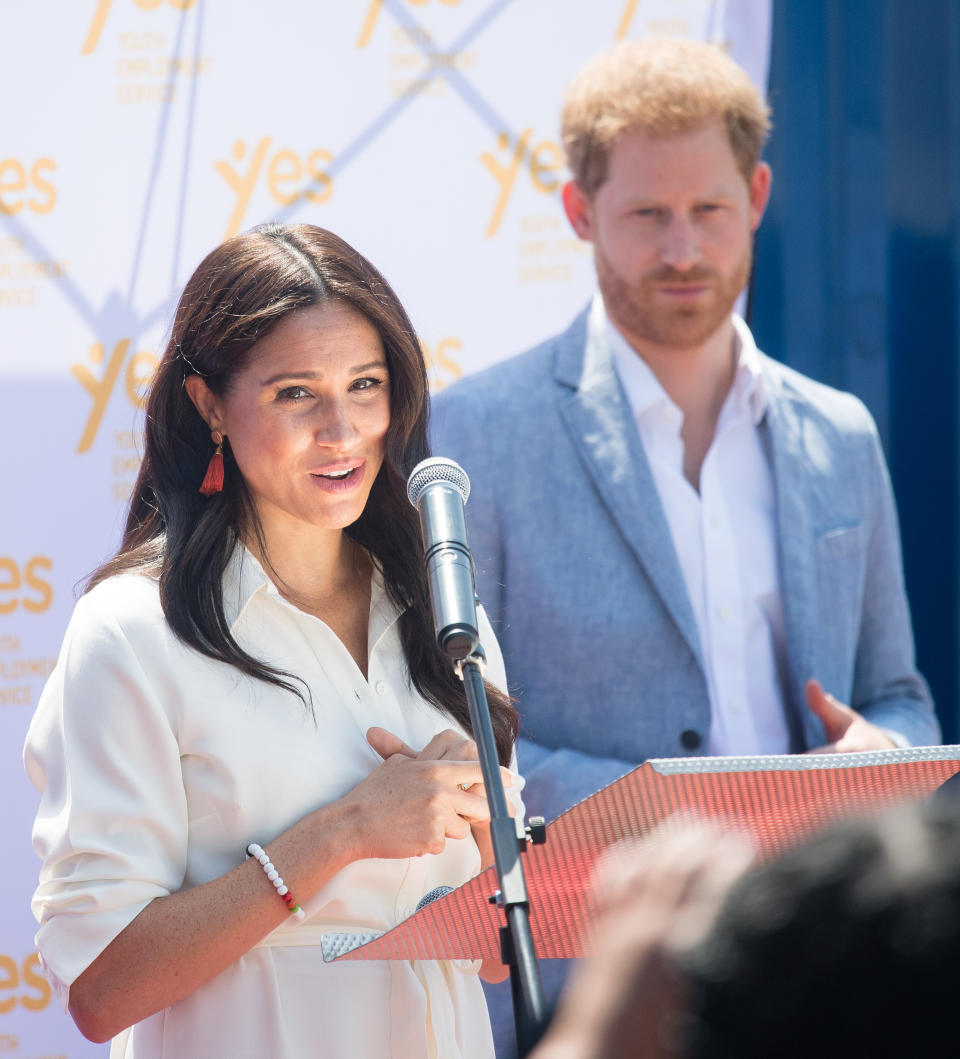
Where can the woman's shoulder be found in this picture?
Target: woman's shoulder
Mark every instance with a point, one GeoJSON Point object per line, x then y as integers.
{"type": "Point", "coordinates": [131, 593]}
{"type": "Point", "coordinates": [116, 648]}
{"type": "Point", "coordinates": [125, 605]}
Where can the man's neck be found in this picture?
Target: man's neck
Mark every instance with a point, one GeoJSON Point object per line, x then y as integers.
{"type": "Point", "coordinates": [697, 380]}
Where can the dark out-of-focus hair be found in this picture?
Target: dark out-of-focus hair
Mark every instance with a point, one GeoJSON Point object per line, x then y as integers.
{"type": "Point", "coordinates": [237, 295]}
{"type": "Point", "coordinates": [846, 945]}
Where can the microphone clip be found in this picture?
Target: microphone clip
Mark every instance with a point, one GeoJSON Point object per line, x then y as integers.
{"type": "Point", "coordinates": [477, 657]}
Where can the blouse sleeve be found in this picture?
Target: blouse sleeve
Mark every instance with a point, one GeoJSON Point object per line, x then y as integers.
{"type": "Point", "coordinates": [111, 828]}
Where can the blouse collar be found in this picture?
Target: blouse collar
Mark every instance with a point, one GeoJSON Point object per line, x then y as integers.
{"type": "Point", "coordinates": [245, 579]}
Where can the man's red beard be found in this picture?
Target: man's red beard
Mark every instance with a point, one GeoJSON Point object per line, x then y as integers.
{"type": "Point", "coordinates": [639, 310]}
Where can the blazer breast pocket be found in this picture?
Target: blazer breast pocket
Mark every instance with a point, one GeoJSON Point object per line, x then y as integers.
{"type": "Point", "coordinates": [840, 543]}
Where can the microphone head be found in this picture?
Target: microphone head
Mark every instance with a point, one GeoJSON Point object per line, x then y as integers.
{"type": "Point", "coordinates": [436, 469]}
{"type": "Point", "coordinates": [433, 895]}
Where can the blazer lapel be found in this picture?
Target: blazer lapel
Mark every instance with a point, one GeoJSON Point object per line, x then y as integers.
{"type": "Point", "coordinates": [783, 434]}
{"type": "Point", "coordinates": [601, 425]}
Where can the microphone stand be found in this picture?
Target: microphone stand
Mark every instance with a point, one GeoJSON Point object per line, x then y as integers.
{"type": "Point", "coordinates": [516, 940]}
{"type": "Point", "coordinates": [438, 488]}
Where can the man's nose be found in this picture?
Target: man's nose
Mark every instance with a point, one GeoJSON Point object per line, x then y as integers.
{"type": "Point", "coordinates": [681, 247]}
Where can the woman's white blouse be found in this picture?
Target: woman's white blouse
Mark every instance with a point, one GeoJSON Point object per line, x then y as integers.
{"type": "Point", "coordinates": [157, 766]}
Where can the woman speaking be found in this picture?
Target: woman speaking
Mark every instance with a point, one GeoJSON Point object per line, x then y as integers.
{"type": "Point", "coordinates": [251, 738]}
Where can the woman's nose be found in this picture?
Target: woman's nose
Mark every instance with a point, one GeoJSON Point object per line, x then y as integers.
{"type": "Point", "coordinates": [334, 424]}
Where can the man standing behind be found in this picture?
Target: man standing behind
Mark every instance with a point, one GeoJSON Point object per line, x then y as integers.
{"type": "Point", "coordinates": [680, 541]}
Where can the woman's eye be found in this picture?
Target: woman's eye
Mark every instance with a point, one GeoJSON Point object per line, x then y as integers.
{"type": "Point", "coordinates": [292, 393]}
{"type": "Point", "coordinates": [366, 383]}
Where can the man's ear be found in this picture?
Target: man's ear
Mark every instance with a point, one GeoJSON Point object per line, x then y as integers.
{"type": "Point", "coordinates": [760, 183]}
{"type": "Point", "coordinates": [577, 208]}
{"type": "Point", "coordinates": [205, 401]}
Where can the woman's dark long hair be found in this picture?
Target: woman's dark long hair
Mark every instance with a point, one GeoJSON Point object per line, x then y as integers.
{"type": "Point", "coordinates": [240, 291]}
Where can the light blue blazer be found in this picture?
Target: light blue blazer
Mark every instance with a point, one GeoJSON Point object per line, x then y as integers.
{"type": "Point", "coordinates": [578, 572]}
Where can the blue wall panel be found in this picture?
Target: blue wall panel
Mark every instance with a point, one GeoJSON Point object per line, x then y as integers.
{"type": "Point", "coordinates": [858, 262]}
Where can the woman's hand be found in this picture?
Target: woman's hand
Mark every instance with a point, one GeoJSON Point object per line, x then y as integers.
{"type": "Point", "coordinates": [451, 746]}
{"type": "Point", "coordinates": [409, 805]}
{"type": "Point", "coordinates": [416, 800]}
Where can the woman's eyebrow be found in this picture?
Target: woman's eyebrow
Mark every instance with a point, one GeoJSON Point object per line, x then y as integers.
{"type": "Point", "coordinates": [283, 376]}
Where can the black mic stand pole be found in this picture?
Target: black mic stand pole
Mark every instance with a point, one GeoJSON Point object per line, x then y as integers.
{"type": "Point", "coordinates": [516, 939]}
{"type": "Point", "coordinates": [438, 488]}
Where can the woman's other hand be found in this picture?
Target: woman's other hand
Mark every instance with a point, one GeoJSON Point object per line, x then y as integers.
{"type": "Point", "coordinates": [413, 802]}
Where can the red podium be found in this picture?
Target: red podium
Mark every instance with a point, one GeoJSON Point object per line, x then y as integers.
{"type": "Point", "coordinates": [779, 799]}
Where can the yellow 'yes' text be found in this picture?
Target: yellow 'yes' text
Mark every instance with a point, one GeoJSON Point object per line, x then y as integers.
{"type": "Point", "coordinates": [289, 177]}
{"type": "Point", "coordinates": [22, 585]}
{"type": "Point", "coordinates": [20, 186]}
{"type": "Point", "coordinates": [136, 377]}
{"type": "Point", "coordinates": [373, 14]}
{"type": "Point", "coordinates": [443, 365]}
{"type": "Point", "coordinates": [103, 9]}
{"type": "Point", "coordinates": [13, 976]}
{"type": "Point", "coordinates": [543, 160]}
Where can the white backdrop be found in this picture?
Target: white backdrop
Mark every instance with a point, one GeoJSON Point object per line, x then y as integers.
{"type": "Point", "coordinates": [139, 133]}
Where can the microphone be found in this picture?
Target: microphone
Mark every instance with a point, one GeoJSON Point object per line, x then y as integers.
{"type": "Point", "coordinates": [438, 488]}
{"type": "Point", "coordinates": [436, 893]}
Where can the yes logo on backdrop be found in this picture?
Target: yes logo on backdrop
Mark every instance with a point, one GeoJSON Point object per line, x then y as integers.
{"type": "Point", "coordinates": [373, 15]}
{"type": "Point", "coordinates": [288, 176]}
{"type": "Point", "coordinates": [626, 18]}
{"type": "Point", "coordinates": [22, 984]}
{"type": "Point", "coordinates": [22, 584]}
{"type": "Point", "coordinates": [662, 20]}
{"type": "Point", "coordinates": [27, 186]}
{"type": "Point", "coordinates": [542, 161]}
{"type": "Point", "coordinates": [137, 369]}
{"type": "Point", "coordinates": [145, 71]}
{"type": "Point", "coordinates": [103, 9]}
{"type": "Point", "coordinates": [26, 588]}
{"type": "Point", "coordinates": [444, 366]}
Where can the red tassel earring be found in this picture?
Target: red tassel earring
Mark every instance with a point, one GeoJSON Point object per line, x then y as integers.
{"type": "Point", "coordinates": [213, 479]}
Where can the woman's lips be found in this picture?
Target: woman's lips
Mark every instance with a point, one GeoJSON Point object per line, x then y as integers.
{"type": "Point", "coordinates": [340, 477]}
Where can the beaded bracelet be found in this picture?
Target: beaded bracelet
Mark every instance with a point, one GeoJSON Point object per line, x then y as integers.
{"type": "Point", "coordinates": [254, 850]}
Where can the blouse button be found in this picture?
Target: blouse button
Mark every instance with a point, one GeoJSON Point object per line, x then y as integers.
{"type": "Point", "coordinates": [380, 687]}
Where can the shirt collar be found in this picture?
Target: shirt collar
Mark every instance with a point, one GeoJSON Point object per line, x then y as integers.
{"type": "Point", "coordinates": [644, 391]}
{"type": "Point", "coordinates": [749, 383]}
{"type": "Point", "coordinates": [245, 578]}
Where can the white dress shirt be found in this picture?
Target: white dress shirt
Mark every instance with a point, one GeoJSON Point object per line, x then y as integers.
{"type": "Point", "coordinates": [725, 538]}
{"type": "Point", "coordinates": [158, 766]}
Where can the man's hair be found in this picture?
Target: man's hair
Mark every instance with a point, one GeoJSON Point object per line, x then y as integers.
{"type": "Point", "coordinates": [661, 86]}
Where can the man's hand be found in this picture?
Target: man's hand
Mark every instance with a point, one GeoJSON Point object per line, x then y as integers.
{"type": "Point", "coordinates": [846, 730]}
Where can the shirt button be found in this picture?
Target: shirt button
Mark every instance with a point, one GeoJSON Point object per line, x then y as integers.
{"type": "Point", "coordinates": [689, 739]}
{"type": "Point", "coordinates": [735, 705]}
{"type": "Point", "coordinates": [380, 687]}
{"type": "Point", "coordinates": [713, 522]}
{"type": "Point", "coordinates": [725, 613]}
